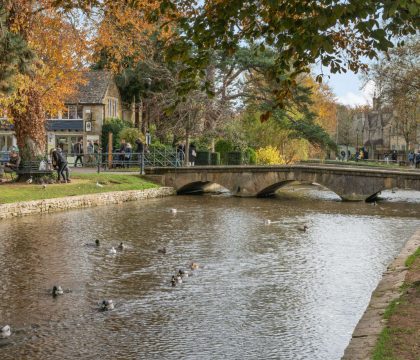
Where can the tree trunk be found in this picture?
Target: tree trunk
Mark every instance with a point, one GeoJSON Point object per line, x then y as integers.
{"type": "Point", "coordinates": [29, 123]}
{"type": "Point", "coordinates": [187, 148]}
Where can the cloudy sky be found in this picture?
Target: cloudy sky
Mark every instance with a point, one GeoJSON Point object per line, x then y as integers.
{"type": "Point", "coordinates": [349, 89]}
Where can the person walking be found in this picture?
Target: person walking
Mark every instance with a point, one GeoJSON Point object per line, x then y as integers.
{"type": "Point", "coordinates": [90, 150]}
{"type": "Point", "coordinates": [417, 160]}
{"type": "Point", "coordinates": [78, 151]}
{"type": "Point", "coordinates": [411, 158]}
{"type": "Point", "coordinates": [192, 154]}
{"type": "Point", "coordinates": [127, 154]}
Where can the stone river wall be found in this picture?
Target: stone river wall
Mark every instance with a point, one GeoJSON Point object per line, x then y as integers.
{"type": "Point", "coordinates": [73, 202]}
{"type": "Point", "coordinates": [372, 323]}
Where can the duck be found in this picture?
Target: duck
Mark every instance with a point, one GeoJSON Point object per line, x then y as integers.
{"type": "Point", "coordinates": [107, 305]}
{"type": "Point", "coordinates": [182, 273]}
{"type": "Point", "coordinates": [178, 279]}
{"type": "Point", "coordinates": [267, 222]}
{"type": "Point", "coordinates": [57, 290]}
{"type": "Point", "coordinates": [194, 266]}
{"type": "Point", "coordinates": [95, 244]}
{"type": "Point", "coordinates": [162, 251]}
{"type": "Point", "coordinates": [5, 332]}
{"type": "Point", "coordinates": [121, 246]}
{"type": "Point", "coordinates": [173, 280]}
{"type": "Point", "coordinates": [303, 228]}
{"type": "Point", "coordinates": [112, 251]}
{"type": "Point", "coordinates": [173, 211]}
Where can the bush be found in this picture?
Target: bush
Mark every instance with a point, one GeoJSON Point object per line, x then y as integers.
{"type": "Point", "coordinates": [269, 155]}
{"type": "Point", "coordinates": [130, 135]}
{"type": "Point", "coordinates": [114, 126]}
{"type": "Point", "coordinates": [223, 147]}
{"type": "Point", "coordinates": [251, 156]}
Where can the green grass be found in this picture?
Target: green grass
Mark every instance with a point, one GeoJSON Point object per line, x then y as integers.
{"type": "Point", "coordinates": [383, 349]}
{"type": "Point", "coordinates": [410, 260]}
{"type": "Point", "coordinates": [81, 184]}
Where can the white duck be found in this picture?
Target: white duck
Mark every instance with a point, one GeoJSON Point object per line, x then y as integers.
{"type": "Point", "coordinates": [173, 211]}
{"type": "Point", "coordinates": [112, 251]}
{"type": "Point", "coordinates": [5, 332]}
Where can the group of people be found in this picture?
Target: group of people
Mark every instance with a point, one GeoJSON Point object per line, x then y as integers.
{"type": "Point", "coordinates": [414, 158]}
{"type": "Point", "coordinates": [124, 154]}
{"type": "Point", "coordinates": [192, 154]}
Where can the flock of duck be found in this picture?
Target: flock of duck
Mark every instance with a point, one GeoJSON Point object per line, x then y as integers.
{"type": "Point", "coordinates": [108, 304]}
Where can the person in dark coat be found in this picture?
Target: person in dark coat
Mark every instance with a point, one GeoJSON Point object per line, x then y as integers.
{"type": "Point", "coordinates": [192, 154]}
{"type": "Point", "coordinates": [59, 163]}
{"type": "Point", "coordinates": [78, 151]}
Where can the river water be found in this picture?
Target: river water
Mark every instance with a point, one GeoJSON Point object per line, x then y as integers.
{"type": "Point", "coordinates": [262, 291]}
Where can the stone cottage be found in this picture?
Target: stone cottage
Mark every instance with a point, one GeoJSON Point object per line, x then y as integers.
{"type": "Point", "coordinates": [96, 100]}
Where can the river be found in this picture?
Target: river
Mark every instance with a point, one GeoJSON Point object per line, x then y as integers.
{"type": "Point", "coordinates": [261, 292]}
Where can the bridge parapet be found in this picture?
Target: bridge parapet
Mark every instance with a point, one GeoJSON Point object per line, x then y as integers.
{"type": "Point", "coordinates": [348, 183]}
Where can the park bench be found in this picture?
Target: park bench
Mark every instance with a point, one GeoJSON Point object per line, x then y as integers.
{"type": "Point", "coordinates": [32, 168]}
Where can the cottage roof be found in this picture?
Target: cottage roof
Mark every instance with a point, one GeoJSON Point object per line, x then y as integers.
{"type": "Point", "coordinates": [94, 88]}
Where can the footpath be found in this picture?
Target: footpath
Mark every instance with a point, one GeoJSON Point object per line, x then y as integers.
{"type": "Point", "coordinates": [390, 326]}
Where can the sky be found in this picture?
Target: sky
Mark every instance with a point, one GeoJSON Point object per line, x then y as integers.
{"type": "Point", "coordinates": [349, 89]}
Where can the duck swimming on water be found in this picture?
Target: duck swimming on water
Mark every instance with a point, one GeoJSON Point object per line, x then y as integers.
{"type": "Point", "coordinates": [194, 266]}
{"type": "Point", "coordinates": [5, 332]}
{"type": "Point", "coordinates": [112, 251]}
{"type": "Point", "coordinates": [57, 290]}
{"type": "Point", "coordinates": [121, 246]}
{"type": "Point", "coordinates": [303, 228]}
{"type": "Point", "coordinates": [107, 305]}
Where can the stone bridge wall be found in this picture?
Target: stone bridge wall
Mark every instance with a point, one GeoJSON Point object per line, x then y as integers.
{"type": "Point", "coordinates": [348, 183]}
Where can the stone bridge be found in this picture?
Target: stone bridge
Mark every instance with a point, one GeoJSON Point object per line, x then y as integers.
{"type": "Point", "coordinates": [350, 183]}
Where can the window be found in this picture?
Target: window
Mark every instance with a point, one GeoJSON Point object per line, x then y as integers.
{"type": "Point", "coordinates": [72, 112]}
{"type": "Point", "coordinates": [112, 107]}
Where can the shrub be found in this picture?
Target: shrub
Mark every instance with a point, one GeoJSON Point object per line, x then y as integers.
{"type": "Point", "coordinates": [223, 147]}
{"type": "Point", "coordinates": [113, 125]}
{"type": "Point", "coordinates": [130, 135]}
{"type": "Point", "coordinates": [269, 155]}
{"type": "Point", "coordinates": [251, 156]}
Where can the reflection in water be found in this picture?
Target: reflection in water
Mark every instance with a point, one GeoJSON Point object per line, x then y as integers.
{"type": "Point", "coordinates": [262, 291]}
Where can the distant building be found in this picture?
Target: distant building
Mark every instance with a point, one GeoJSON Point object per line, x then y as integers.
{"type": "Point", "coordinates": [377, 130]}
{"type": "Point", "coordinates": [83, 117]}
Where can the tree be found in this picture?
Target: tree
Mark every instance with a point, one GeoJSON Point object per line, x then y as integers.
{"type": "Point", "coordinates": [397, 80]}
{"type": "Point", "coordinates": [60, 52]}
{"type": "Point", "coordinates": [15, 55]}
{"type": "Point", "coordinates": [336, 34]}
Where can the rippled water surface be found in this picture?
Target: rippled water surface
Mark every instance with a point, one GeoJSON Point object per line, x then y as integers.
{"type": "Point", "coordinates": [263, 291]}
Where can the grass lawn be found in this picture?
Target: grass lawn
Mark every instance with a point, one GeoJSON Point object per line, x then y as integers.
{"type": "Point", "coordinates": [81, 184]}
{"type": "Point", "coordinates": [400, 339]}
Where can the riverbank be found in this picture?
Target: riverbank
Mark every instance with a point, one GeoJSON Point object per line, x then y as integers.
{"type": "Point", "coordinates": [85, 190]}
{"type": "Point", "coordinates": [390, 326]}
{"type": "Point", "coordinates": [82, 184]}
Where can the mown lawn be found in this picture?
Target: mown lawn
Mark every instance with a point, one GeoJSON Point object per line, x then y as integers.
{"type": "Point", "coordinates": [81, 184]}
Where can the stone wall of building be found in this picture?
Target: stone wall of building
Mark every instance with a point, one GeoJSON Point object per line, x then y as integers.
{"type": "Point", "coordinates": [81, 201]}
